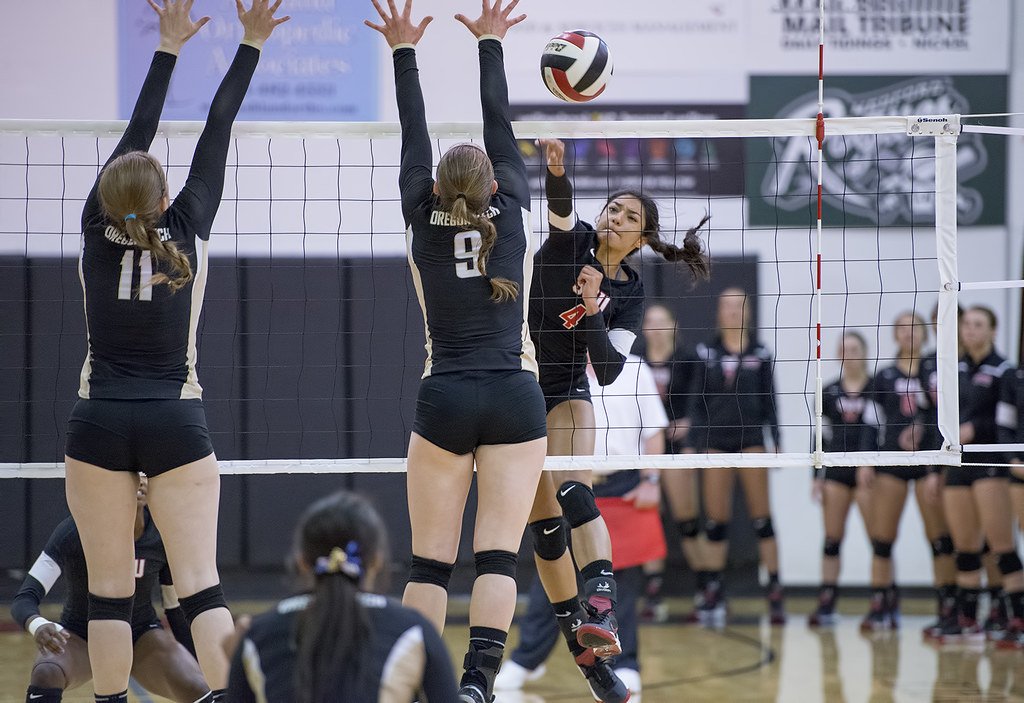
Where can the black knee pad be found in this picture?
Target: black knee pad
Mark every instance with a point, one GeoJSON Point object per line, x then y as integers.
{"type": "Point", "coordinates": [436, 573]}
{"type": "Point", "coordinates": [578, 504]}
{"type": "Point", "coordinates": [831, 548]}
{"type": "Point", "coordinates": [942, 546]}
{"type": "Point", "coordinates": [198, 603]}
{"type": "Point", "coordinates": [688, 529]}
{"type": "Point", "coordinates": [1009, 563]}
{"type": "Point", "coordinates": [882, 550]}
{"type": "Point", "coordinates": [968, 561]}
{"type": "Point", "coordinates": [550, 539]}
{"type": "Point", "coordinates": [496, 561]}
{"type": "Point", "coordinates": [716, 531]}
{"type": "Point", "coordinates": [763, 527]}
{"type": "Point", "coordinates": [101, 608]}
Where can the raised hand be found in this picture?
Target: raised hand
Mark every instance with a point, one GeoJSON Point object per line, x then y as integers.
{"type": "Point", "coordinates": [554, 153]}
{"type": "Point", "coordinates": [398, 28]}
{"type": "Point", "coordinates": [176, 27]}
{"type": "Point", "coordinates": [259, 21]}
{"type": "Point", "coordinates": [493, 19]}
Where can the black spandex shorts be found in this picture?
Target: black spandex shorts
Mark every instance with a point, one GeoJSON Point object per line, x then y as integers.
{"type": "Point", "coordinates": [151, 436]}
{"type": "Point", "coordinates": [555, 394]}
{"type": "Point", "coordinates": [846, 475]}
{"type": "Point", "coordinates": [903, 473]}
{"type": "Point", "coordinates": [461, 411]}
{"type": "Point", "coordinates": [138, 629]}
{"type": "Point", "coordinates": [967, 475]}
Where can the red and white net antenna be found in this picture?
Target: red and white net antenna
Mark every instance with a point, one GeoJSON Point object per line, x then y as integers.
{"type": "Point", "coordinates": [819, 134]}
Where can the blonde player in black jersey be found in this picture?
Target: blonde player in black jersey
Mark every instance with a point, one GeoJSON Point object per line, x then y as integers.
{"type": "Point", "coordinates": [143, 268]}
{"type": "Point", "coordinates": [468, 238]}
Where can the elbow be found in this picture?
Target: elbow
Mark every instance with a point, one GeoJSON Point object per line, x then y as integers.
{"type": "Point", "coordinates": [607, 372]}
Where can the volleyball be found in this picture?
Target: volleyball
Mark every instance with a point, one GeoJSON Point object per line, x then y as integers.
{"type": "Point", "coordinates": [576, 66]}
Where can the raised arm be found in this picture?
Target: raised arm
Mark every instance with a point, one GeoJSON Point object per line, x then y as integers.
{"type": "Point", "coordinates": [199, 200]}
{"type": "Point", "coordinates": [499, 140]}
{"type": "Point", "coordinates": [415, 176]}
{"type": "Point", "coordinates": [176, 28]}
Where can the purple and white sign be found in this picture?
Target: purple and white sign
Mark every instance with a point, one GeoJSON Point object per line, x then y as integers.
{"type": "Point", "coordinates": [320, 65]}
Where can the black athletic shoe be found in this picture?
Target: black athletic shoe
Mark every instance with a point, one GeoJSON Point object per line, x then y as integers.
{"type": "Point", "coordinates": [600, 633]}
{"type": "Point", "coordinates": [604, 683]}
{"type": "Point", "coordinates": [471, 693]}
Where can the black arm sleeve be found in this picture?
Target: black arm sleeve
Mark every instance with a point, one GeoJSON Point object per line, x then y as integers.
{"type": "Point", "coordinates": [558, 190]}
{"type": "Point", "coordinates": [438, 679]}
{"type": "Point", "coordinates": [26, 603]}
{"type": "Point", "coordinates": [238, 685]}
{"type": "Point", "coordinates": [415, 178]}
{"type": "Point", "coordinates": [176, 616]}
{"type": "Point", "coordinates": [499, 140]}
{"type": "Point", "coordinates": [200, 198]}
{"type": "Point", "coordinates": [771, 417]}
{"type": "Point", "coordinates": [604, 357]}
{"type": "Point", "coordinates": [143, 123]}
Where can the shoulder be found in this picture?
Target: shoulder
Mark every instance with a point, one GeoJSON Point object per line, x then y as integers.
{"type": "Point", "coordinates": [762, 352]}
{"type": "Point", "coordinates": [391, 618]}
{"type": "Point", "coordinates": [279, 621]}
{"type": "Point", "coordinates": [705, 351]}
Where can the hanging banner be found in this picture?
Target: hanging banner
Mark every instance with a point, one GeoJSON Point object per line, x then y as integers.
{"type": "Point", "coordinates": [874, 179]}
{"type": "Point", "coordinates": [873, 37]}
{"type": "Point", "coordinates": [320, 65]}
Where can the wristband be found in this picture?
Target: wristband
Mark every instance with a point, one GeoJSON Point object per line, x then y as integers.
{"type": "Point", "coordinates": [652, 478]}
{"type": "Point", "coordinates": [38, 622]}
{"type": "Point", "coordinates": [403, 45]}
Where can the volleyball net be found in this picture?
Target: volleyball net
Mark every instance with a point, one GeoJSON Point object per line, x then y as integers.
{"type": "Point", "coordinates": [311, 343]}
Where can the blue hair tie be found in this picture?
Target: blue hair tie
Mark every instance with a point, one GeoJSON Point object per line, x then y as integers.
{"type": "Point", "coordinates": [131, 216]}
{"type": "Point", "coordinates": [345, 562]}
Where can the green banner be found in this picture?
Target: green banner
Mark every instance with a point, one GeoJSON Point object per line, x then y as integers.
{"type": "Point", "coordinates": [873, 180]}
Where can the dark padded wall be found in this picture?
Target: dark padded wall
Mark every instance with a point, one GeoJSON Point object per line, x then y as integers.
{"type": "Point", "coordinates": [298, 359]}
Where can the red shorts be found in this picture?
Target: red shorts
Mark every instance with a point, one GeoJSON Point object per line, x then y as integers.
{"type": "Point", "coordinates": [637, 535]}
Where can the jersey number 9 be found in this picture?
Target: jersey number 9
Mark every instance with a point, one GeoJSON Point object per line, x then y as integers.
{"type": "Point", "coordinates": [467, 254]}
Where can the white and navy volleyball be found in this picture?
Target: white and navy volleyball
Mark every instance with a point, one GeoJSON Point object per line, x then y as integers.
{"type": "Point", "coordinates": [576, 66]}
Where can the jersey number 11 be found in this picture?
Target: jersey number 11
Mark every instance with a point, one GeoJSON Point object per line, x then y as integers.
{"type": "Point", "coordinates": [124, 282]}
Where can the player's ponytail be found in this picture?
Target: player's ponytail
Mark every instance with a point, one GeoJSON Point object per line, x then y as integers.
{"type": "Point", "coordinates": [464, 180]}
{"type": "Point", "coordinates": [691, 253]}
{"type": "Point", "coordinates": [131, 190]}
{"type": "Point", "coordinates": [341, 539]}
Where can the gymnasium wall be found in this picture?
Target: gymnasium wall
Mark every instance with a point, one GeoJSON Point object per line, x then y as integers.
{"type": "Point", "coordinates": [726, 55]}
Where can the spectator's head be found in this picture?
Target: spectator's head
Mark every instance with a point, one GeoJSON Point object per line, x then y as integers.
{"type": "Point", "coordinates": [978, 329]}
{"type": "Point", "coordinates": [853, 352]}
{"type": "Point", "coordinates": [733, 310]}
{"type": "Point", "coordinates": [910, 333]}
{"type": "Point", "coordinates": [659, 327]}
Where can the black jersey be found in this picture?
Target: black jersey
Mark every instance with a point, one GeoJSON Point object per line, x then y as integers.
{"type": "Point", "coordinates": [733, 398]}
{"type": "Point", "coordinates": [141, 337]}
{"type": "Point", "coordinates": [63, 556]}
{"type": "Point", "coordinates": [674, 380]}
{"type": "Point", "coordinates": [928, 375]}
{"type": "Point", "coordinates": [851, 419]}
{"type": "Point", "coordinates": [465, 329]}
{"type": "Point", "coordinates": [1009, 410]}
{"type": "Point", "coordinates": [980, 391]}
{"type": "Point", "coordinates": [561, 328]}
{"type": "Point", "coordinates": [901, 399]}
{"type": "Point", "coordinates": [403, 660]}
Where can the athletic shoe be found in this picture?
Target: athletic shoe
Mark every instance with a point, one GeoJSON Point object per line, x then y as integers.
{"type": "Point", "coordinates": [878, 619]}
{"type": "Point", "coordinates": [512, 676]}
{"type": "Point", "coordinates": [1013, 637]}
{"type": "Point", "coordinates": [629, 677]}
{"type": "Point", "coordinates": [825, 614]}
{"type": "Point", "coordinates": [776, 605]}
{"type": "Point", "coordinates": [654, 611]}
{"type": "Point", "coordinates": [604, 684]}
{"type": "Point", "coordinates": [712, 610]}
{"type": "Point", "coordinates": [600, 632]}
{"type": "Point", "coordinates": [995, 624]}
{"type": "Point", "coordinates": [471, 693]}
{"type": "Point", "coordinates": [963, 631]}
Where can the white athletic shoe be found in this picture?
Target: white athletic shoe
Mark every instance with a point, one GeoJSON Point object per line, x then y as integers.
{"type": "Point", "coordinates": [512, 676]}
{"type": "Point", "coordinates": [630, 677]}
